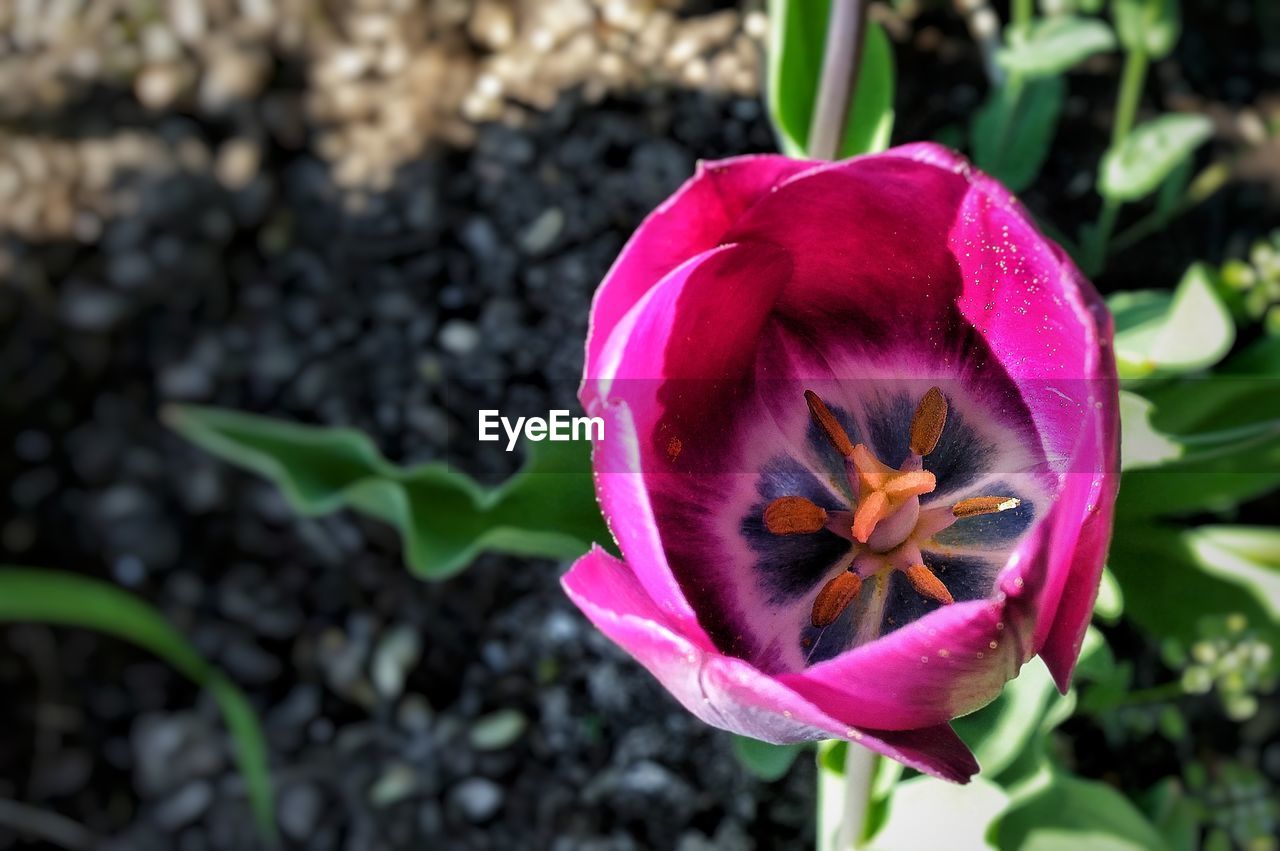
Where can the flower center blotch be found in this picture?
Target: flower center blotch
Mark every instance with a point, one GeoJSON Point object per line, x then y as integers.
{"type": "Point", "coordinates": [885, 524]}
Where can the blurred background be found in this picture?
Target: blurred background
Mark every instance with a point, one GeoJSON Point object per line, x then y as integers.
{"type": "Point", "coordinates": [348, 213]}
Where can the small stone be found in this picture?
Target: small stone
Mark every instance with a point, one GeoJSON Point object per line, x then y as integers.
{"type": "Point", "coordinates": [459, 337]}
{"type": "Point", "coordinates": [498, 730]}
{"type": "Point", "coordinates": [396, 654]}
{"type": "Point", "coordinates": [477, 799]}
{"type": "Point", "coordinates": [300, 808]}
{"type": "Point", "coordinates": [395, 785]}
{"type": "Point", "coordinates": [184, 806]}
{"type": "Point", "coordinates": [542, 232]}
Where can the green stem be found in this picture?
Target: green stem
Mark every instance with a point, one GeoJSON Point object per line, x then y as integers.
{"type": "Point", "coordinates": [1131, 82]}
{"type": "Point", "coordinates": [1155, 694]}
{"type": "Point", "coordinates": [840, 58]}
{"type": "Point", "coordinates": [1022, 12]}
{"type": "Point", "coordinates": [844, 799]}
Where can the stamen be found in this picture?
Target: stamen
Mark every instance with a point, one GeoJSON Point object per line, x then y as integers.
{"type": "Point", "coordinates": [834, 598]}
{"type": "Point", "coordinates": [978, 505]}
{"type": "Point", "coordinates": [794, 515]}
{"type": "Point", "coordinates": [829, 424]}
{"type": "Point", "coordinates": [927, 424]}
{"type": "Point", "coordinates": [923, 580]}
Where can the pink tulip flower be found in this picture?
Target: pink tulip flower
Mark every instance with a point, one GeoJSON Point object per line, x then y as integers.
{"type": "Point", "coordinates": [861, 449]}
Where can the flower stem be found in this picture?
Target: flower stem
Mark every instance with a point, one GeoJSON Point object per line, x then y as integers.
{"type": "Point", "coordinates": [1131, 83]}
{"type": "Point", "coordinates": [1022, 12]}
{"type": "Point", "coordinates": [844, 798]}
{"type": "Point", "coordinates": [840, 55]}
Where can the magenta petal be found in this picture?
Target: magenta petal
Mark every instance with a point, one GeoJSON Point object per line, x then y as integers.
{"type": "Point", "coordinates": [693, 220]}
{"type": "Point", "coordinates": [729, 693]}
{"type": "Point", "coordinates": [947, 664]}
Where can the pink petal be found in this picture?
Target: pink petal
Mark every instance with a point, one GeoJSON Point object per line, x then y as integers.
{"type": "Point", "coordinates": [868, 241]}
{"type": "Point", "coordinates": [949, 663]}
{"type": "Point", "coordinates": [727, 692]}
{"type": "Point", "coordinates": [693, 220]}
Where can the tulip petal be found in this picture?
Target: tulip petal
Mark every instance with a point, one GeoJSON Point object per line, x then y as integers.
{"type": "Point", "coordinates": [693, 220]}
{"type": "Point", "coordinates": [729, 693]}
{"type": "Point", "coordinates": [949, 664]}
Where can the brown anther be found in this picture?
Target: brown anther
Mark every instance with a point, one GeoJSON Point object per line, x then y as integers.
{"type": "Point", "coordinates": [870, 511]}
{"type": "Point", "coordinates": [927, 424]}
{"type": "Point", "coordinates": [978, 505]}
{"type": "Point", "coordinates": [793, 515]}
{"type": "Point", "coordinates": [829, 424]}
{"type": "Point", "coordinates": [925, 583]}
{"type": "Point", "coordinates": [834, 598]}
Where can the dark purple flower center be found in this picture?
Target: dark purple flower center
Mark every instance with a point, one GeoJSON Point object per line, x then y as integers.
{"type": "Point", "coordinates": [886, 526]}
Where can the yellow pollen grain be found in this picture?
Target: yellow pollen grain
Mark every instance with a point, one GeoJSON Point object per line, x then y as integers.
{"type": "Point", "coordinates": [944, 653]}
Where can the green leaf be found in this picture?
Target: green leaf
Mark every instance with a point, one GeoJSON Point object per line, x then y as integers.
{"type": "Point", "coordinates": [1072, 813]}
{"type": "Point", "coordinates": [446, 519]}
{"type": "Point", "coordinates": [921, 805]}
{"type": "Point", "coordinates": [1147, 26]}
{"type": "Point", "coordinates": [1246, 555]}
{"type": "Point", "coordinates": [1048, 47]}
{"type": "Point", "coordinates": [1012, 723]}
{"type": "Point", "coordinates": [1109, 607]}
{"type": "Point", "coordinates": [1175, 577]}
{"type": "Point", "coordinates": [1013, 130]}
{"type": "Point", "coordinates": [766, 761]}
{"type": "Point", "coordinates": [1161, 333]}
{"type": "Point", "coordinates": [1141, 444]}
{"type": "Point", "coordinates": [1150, 154]}
{"type": "Point", "coordinates": [66, 599]}
{"type": "Point", "coordinates": [1175, 815]}
{"type": "Point", "coordinates": [798, 31]}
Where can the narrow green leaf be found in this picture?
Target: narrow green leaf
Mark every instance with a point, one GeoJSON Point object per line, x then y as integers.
{"type": "Point", "coordinates": [1074, 813]}
{"type": "Point", "coordinates": [766, 761]}
{"type": "Point", "coordinates": [1013, 130]}
{"type": "Point", "coordinates": [798, 31]}
{"type": "Point", "coordinates": [66, 599]}
{"type": "Point", "coordinates": [1150, 153]}
{"type": "Point", "coordinates": [446, 519]}
{"type": "Point", "coordinates": [1148, 26]}
{"type": "Point", "coordinates": [1157, 332]}
{"type": "Point", "coordinates": [1051, 46]}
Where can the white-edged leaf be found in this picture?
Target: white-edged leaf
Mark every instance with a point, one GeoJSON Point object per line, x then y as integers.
{"type": "Point", "coordinates": [1169, 333]}
{"type": "Point", "coordinates": [1150, 153]}
{"type": "Point", "coordinates": [1050, 46]}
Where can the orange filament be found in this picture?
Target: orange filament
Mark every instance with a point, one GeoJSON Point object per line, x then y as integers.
{"type": "Point", "coordinates": [978, 505]}
{"type": "Point", "coordinates": [927, 423]}
{"type": "Point", "coordinates": [793, 515]}
{"type": "Point", "coordinates": [834, 598]}
{"type": "Point", "coordinates": [925, 583]}
{"type": "Point", "coordinates": [829, 424]}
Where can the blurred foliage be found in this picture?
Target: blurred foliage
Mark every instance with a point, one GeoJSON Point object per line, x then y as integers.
{"type": "Point", "coordinates": [445, 519]}
{"type": "Point", "coordinates": [66, 599]}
